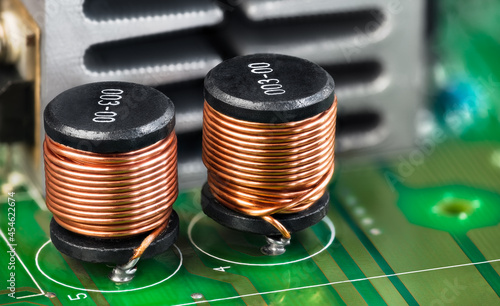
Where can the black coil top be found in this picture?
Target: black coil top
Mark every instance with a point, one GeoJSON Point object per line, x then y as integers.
{"type": "Point", "coordinates": [269, 88]}
{"type": "Point", "coordinates": [109, 117]}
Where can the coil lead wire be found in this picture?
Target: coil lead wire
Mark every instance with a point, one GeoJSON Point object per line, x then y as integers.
{"type": "Point", "coordinates": [261, 169]}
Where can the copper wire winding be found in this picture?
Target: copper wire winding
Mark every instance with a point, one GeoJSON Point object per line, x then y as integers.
{"type": "Point", "coordinates": [112, 195]}
{"type": "Point", "coordinates": [262, 169]}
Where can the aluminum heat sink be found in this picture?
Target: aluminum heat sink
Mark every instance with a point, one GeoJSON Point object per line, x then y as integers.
{"type": "Point", "coordinates": [374, 49]}
{"type": "Point", "coordinates": [149, 42]}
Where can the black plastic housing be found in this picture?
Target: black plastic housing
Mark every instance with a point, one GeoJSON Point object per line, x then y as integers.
{"type": "Point", "coordinates": [137, 118]}
{"type": "Point", "coordinates": [111, 250]}
{"type": "Point", "coordinates": [281, 89]}
{"type": "Point", "coordinates": [255, 225]}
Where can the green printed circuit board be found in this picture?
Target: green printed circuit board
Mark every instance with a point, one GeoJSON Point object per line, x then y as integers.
{"type": "Point", "coordinates": [401, 233]}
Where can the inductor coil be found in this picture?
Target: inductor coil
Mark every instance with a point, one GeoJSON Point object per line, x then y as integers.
{"type": "Point", "coordinates": [110, 157]}
{"type": "Point", "coordinates": [268, 145]}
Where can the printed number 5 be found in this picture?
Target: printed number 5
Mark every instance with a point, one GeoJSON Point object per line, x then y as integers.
{"type": "Point", "coordinates": [78, 296]}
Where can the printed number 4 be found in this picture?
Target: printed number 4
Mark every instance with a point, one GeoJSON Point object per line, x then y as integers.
{"type": "Point", "coordinates": [78, 296]}
{"type": "Point", "coordinates": [221, 269]}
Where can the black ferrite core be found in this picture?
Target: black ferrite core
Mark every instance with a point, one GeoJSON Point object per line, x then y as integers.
{"type": "Point", "coordinates": [75, 119]}
{"type": "Point", "coordinates": [298, 89]}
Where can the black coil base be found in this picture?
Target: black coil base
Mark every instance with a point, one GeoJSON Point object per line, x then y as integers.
{"type": "Point", "coordinates": [255, 225]}
{"type": "Point", "coordinates": [110, 250]}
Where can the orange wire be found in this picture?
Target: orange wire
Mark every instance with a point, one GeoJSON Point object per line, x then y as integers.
{"type": "Point", "coordinates": [261, 169]}
{"type": "Point", "coordinates": [112, 195]}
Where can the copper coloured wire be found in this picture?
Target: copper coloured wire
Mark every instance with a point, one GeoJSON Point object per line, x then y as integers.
{"type": "Point", "coordinates": [261, 169]}
{"type": "Point", "coordinates": [112, 195]}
